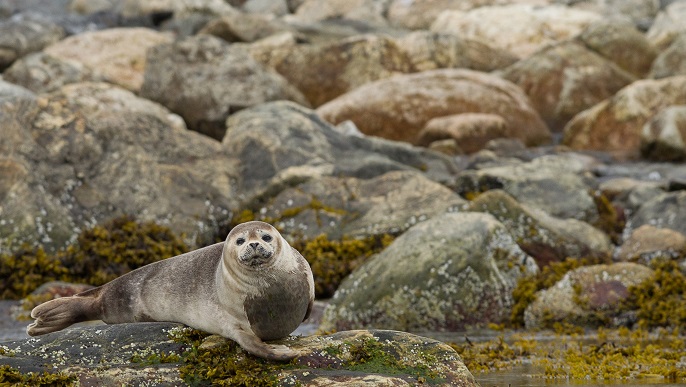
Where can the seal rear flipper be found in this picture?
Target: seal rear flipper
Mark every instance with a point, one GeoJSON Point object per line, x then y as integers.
{"type": "Point", "coordinates": [62, 312]}
{"type": "Point", "coordinates": [259, 348]}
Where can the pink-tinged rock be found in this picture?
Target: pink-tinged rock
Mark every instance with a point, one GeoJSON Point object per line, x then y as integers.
{"type": "Point", "coordinates": [399, 107]}
{"type": "Point", "coordinates": [117, 53]}
{"type": "Point", "coordinates": [615, 124]}
{"type": "Point", "coordinates": [564, 79]}
{"type": "Point", "coordinates": [520, 28]}
{"type": "Point", "coordinates": [649, 242]}
{"type": "Point", "coordinates": [471, 131]}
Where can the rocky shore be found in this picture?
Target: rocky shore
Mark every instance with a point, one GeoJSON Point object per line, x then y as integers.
{"type": "Point", "coordinates": [491, 143]}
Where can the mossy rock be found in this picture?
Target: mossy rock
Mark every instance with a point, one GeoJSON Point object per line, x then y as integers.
{"type": "Point", "coordinates": [167, 354]}
{"type": "Point", "coordinates": [589, 296]}
{"type": "Point", "coordinates": [451, 272]}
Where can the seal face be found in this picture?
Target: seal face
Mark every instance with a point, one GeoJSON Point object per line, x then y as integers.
{"type": "Point", "coordinates": [253, 286]}
{"type": "Point", "coordinates": [256, 246]}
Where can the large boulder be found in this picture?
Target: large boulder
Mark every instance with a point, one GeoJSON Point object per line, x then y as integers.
{"type": "Point", "coordinates": [671, 61]}
{"type": "Point", "coordinates": [451, 272]}
{"type": "Point", "coordinates": [521, 29]}
{"type": "Point", "coordinates": [587, 296]}
{"type": "Point", "coordinates": [620, 43]}
{"type": "Point", "coordinates": [325, 71]}
{"type": "Point", "coordinates": [361, 11]}
{"type": "Point", "coordinates": [291, 144]}
{"type": "Point", "coordinates": [97, 151]}
{"type": "Point", "coordinates": [646, 243]}
{"type": "Point", "coordinates": [116, 53]}
{"type": "Point", "coordinates": [668, 25]}
{"type": "Point", "coordinates": [398, 108]}
{"type": "Point", "coordinates": [347, 206]}
{"type": "Point", "coordinates": [544, 237]}
{"type": "Point", "coordinates": [663, 138]}
{"type": "Point", "coordinates": [664, 211]}
{"type": "Point", "coordinates": [163, 354]}
{"type": "Point", "coordinates": [470, 131]}
{"type": "Point", "coordinates": [635, 12]}
{"type": "Point", "coordinates": [204, 80]}
{"type": "Point", "coordinates": [616, 123]}
{"type": "Point", "coordinates": [41, 72]}
{"type": "Point", "coordinates": [29, 214]}
{"type": "Point", "coordinates": [563, 79]}
{"type": "Point", "coordinates": [21, 37]}
{"type": "Point", "coordinates": [429, 51]}
{"type": "Point", "coordinates": [558, 185]}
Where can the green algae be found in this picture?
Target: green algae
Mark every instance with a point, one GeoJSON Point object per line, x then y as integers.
{"type": "Point", "coordinates": [224, 364]}
{"type": "Point", "coordinates": [100, 255]}
{"type": "Point", "coordinates": [333, 260]}
{"type": "Point", "coordinates": [660, 299]}
{"type": "Point", "coordinates": [525, 292]}
{"type": "Point", "coordinates": [13, 377]}
{"type": "Point", "coordinates": [369, 356]}
{"type": "Point", "coordinates": [620, 354]}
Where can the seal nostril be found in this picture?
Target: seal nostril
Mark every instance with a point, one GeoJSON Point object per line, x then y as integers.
{"type": "Point", "coordinates": [254, 245]}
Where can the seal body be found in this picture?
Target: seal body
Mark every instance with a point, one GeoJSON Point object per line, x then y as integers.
{"type": "Point", "coordinates": [252, 287]}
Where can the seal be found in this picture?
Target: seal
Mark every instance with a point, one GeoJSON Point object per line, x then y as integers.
{"type": "Point", "coordinates": [251, 288]}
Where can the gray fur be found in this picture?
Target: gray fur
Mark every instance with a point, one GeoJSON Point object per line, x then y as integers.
{"type": "Point", "coordinates": [248, 291]}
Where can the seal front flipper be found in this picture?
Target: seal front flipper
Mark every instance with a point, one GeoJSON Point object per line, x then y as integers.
{"type": "Point", "coordinates": [257, 347]}
{"type": "Point", "coordinates": [60, 313]}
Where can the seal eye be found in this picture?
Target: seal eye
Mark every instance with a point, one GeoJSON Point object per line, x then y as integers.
{"type": "Point", "coordinates": [267, 238]}
{"type": "Point", "coordinates": [240, 241]}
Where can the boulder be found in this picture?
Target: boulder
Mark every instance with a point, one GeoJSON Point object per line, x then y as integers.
{"type": "Point", "coordinates": [430, 50]}
{"type": "Point", "coordinates": [239, 27]}
{"type": "Point", "coordinates": [663, 211]}
{"type": "Point", "coordinates": [204, 80]}
{"type": "Point", "coordinates": [663, 138]}
{"type": "Point", "coordinates": [635, 12]}
{"type": "Point", "coordinates": [418, 15]}
{"type": "Point", "coordinates": [399, 107]}
{"type": "Point", "coordinates": [543, 237]}
{"type": "Point", "coordinates": [615, 124]}
{"type": "Point", "coordinates": [41, 72]}
{"type": "Point", "coordinates": [628, 194]}
{"type": "Point", "coordinates": [648, 242]}
{"type": "Point", "coordinates": [564, 79]}
{"type": "Point", "coordinates": [323, 72]}
{"type": "Point", "coordinates": [351, 207]}
{"type": "Point", "coordinates": [89, 146]}
{"type": "Point", "coordinates": [668, 25]}
{"type": "Point", "coordinates": [587, 296]}
{"type": "Point", "coordinates": [132, 9]}
{"type": "Point", "coordinates": [558, 185]}
{"type": "Point", "coordinates": [21, 37]}
{"type": "Point", "coordinates": [28, 214]}
{"type": "Point", "coordinates": [521, 29]}
{"type": "Point", "coordinates": [671, 61]}
{"type": "Point", "coordinates": [362, 11]}
{"type": "Point", "coordinates": [451, 272]}
{"type": "Point", "coordinates": [163, 354]}
{"type": "Point", "coordinates": [471, 131]}
{"type": "Point", "coordinates": [118, 54]}
{"type": "Point", "coordinates": [620, 43]}
{"type": "Point", "coordinates": [292, 144]}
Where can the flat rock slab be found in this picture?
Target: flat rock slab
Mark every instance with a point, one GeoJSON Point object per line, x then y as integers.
{"type": "Point", "coordinates": [143, 354]}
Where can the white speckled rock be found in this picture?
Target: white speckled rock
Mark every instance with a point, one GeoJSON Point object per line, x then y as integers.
{"type": "Point", "coordinates": [451, 272]}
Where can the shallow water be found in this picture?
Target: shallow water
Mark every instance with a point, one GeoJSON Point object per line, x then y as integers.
{"type": "Point", "coordinates": [522, 376]}
{"type": "Point", "coordinates": [528, 375]}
